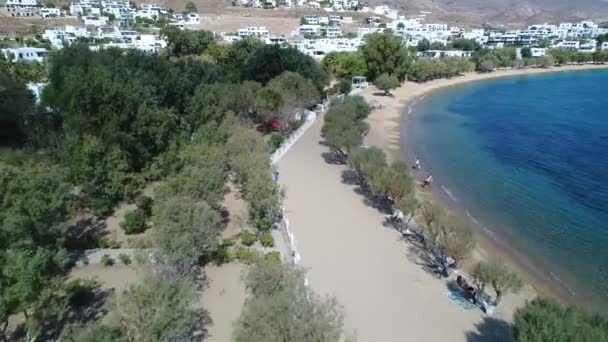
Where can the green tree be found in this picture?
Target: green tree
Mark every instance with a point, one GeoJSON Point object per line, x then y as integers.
{"type": "Point", "coordinates": [385, 53]}
{"type": "Point", "coordinates": [186, 232]}
{"type": "Point", "coordinates": [269, 61]}
{"type": "Point", "coordinates": [386, 83]}
{"type": "Point", "coordinates": [465, 45]}
{"type": "Point", "coordinates": [158, 310]}
{"type": "Point", "coordinates": [134, 223]}
{"type": "Point", "coordinates": [546, 320]}
{"type": "Point", "coordinates": [186, 42]}
{"type": "Point", "coordinates": [546, 61]}
{"type": "Point", "coordinates": [16, 101]}
{"type": "Point", "coordinates": [282, 308]}
{"type": "Point", "coordinates": [190, 7]}
{"type": "Point", "coordinates": [423, 45]}
{"type": "Point", "coordinates": [499, 275]}
{"type": "Point", "coordinates": [349, 65]}
{"type": "Point", "coordinates": [296, 91]}
{"type": "Point", "coordinates": [344, 128]}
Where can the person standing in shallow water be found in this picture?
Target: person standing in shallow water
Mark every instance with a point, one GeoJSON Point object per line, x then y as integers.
{"type": "Point", "coordinates": [417, 165]}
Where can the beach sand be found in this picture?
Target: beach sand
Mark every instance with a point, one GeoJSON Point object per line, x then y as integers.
{"type": "Point", "coordinates": [386, 127]}
{"type": "Point", "coordinates": [349, 254]}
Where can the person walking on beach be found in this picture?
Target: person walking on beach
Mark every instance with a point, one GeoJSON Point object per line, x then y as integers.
{"type": "Point", "coordinates": [427, 181]}
{"type": "Point", "coordinates": [417, 165]}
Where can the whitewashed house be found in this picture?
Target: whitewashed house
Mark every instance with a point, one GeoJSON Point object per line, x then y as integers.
{"type": "Point", "coordinates": [49, 12]}
{"type": "Point", "coordinates": [537, 52]}
{"type": "Point", "coordinates": [254, 31]}
{"type": "Point", "coordinates": [20, 8]}
{"type": "Point", "coordinates": [25, 54]}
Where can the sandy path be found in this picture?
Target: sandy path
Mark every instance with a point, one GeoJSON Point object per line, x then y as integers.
{"type": "Point", "coordinates": [365, 265]}
{"type": "Point", "coordinates": [223, 298]}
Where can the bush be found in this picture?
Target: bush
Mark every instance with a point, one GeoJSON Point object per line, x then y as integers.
{"type": "Point", "coordinates": [246, 255]}
{"type": "Point", "coordinates": [275, 141]}
{"type": "Point", "coordinates": [266, 239]}
{"type": "Point", "coordinates": [106, 260]}
{"type": "Point", "coordinates": [108, 243]}
{"type": "Point", "coordinates": [101, 207]}
{"type": "Point", "coordinates": [344, 87]}
{"type": "Point", "coordinates": [225, 255]}
{"type": "Point", "coordinates": [386, 83]}
{"type": "Point", "coordinates": [247, 238]}
{"type": "Point", "coordinates": [229, 241]}
{"type": "Point", "coordinates": [144, 203]}
{"type": "Point", "coordinates": [273, 258]}
{"type": "Point", "coordinates": [134, 223]}
{"type": "Point", "coordinates": [125, 258]}
{"type": "Point", "coordinates": [81, 292]}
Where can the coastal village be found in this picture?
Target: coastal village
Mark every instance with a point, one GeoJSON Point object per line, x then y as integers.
{"type": "Point", "coordinates": [168, 174]}
{"type": "Point", "coordinates": [125, 25]}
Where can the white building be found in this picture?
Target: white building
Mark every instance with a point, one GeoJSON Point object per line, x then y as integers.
{"type": "Point", "coordinates": [50, 12]}
{"type": "Point", "coordinates": [254, 31]}
{"type": "Point", "coordinates": [309, 30]}
{"type": "Point", "coordinates": [25, 54]}
{"type": "Point", "coordinates": [538, 52]}
{"type": "Point", "coordinates": [192, 19]}
{"type": "Point", "coordinates": [604, 46]}
{"type": "Point", "coordinates": [318, 48]}
{"type": "Point", "coordinates": [445, 53]}
{"type": "Point", "coordinates": [66, 35]}
{"type": "Point", "coordinates": [21, 8]}
{"type": "Point", "coordinates": [331, 32]}
{"type": "Point", "coordinates": [95, 21]}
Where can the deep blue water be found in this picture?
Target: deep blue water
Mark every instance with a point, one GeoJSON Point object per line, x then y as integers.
{"type": "Point", "coordinates": [527, 158]}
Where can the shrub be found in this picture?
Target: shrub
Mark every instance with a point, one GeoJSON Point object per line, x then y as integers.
{"type": "Point", "coordinates": [344, 87]}
{"type": "Point", "coordinates": [227, 242]}
{"type": "Point", "coordinates": [275, 141]}
{"type": "Point", "coordinates": [247, 238]}
{"type": "Point", "coordinates": [246, 255]}
{"type": "Point", "coordinates": [81, 292]}
{"type": "Point", "coordinates": [108, 243]}
{"type": "Point", "coordinates": [106, 260]}
{"type": "Point", "coordinates": [101, 207]}
{"type": "Point", "coordinates": [144, 203]}
{"type": "Point", "coordinates": [386, 83]}
{"type": "Point", "coordinates": [273, 258]}
{"type": "Point", "coordinates": [125, 258]}
{"type": "Point", "coordinates": [225, 255]}
{"type": "Point", "coordinates": [134, 223]}
{"type": "Point", "coordinates": [266, 239]}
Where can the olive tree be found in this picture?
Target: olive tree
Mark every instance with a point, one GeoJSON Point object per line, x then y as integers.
{"type": "Point", "coordinates": [186, 232]}
{"type": "Point", "coordinates": [282, 308]}
{"type": "Point", "coordinates": [386, 83]}
{"type": "Point", "coordinates": [499, 275]}
{"type": "Point", "coordinates": [546, 320]}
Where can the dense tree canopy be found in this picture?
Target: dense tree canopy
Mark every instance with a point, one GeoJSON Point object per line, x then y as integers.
{"type": "Point", "coordinates": [16, 101]}
{"type": "Point", "coordinates": [545, 320]}
{"type": "Point", "coordinates": [282, 308]}
{"type": "Point", "coordinates": [385, 53]}
{"type": "Point", "coordinates": [270, 61]}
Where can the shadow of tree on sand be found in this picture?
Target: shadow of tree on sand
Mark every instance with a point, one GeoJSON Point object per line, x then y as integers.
{"type": "Point", "coordinates": [491, 330]}
{"type": "Point", "coordinates": [361, 188]}
{"type": "Point", "coordinates": [332, 158]}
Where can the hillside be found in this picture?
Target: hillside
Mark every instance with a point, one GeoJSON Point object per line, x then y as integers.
{"type": "Point", "coordinates": [513, 13]}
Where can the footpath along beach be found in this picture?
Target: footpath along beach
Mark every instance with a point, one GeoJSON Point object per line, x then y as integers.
{"type": "Point", "coordinates": [351, 255]}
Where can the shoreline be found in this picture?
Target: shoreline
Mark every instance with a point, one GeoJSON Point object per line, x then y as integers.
{"type": "Point", "coordinates": [387, 131]}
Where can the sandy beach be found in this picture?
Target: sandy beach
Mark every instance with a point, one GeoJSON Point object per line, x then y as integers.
{"type": "Point", "coordinates": [368, 267]}
{"type": "Point", "coordinates": [351, 255]}
{"type": "Point", "coordinates": [387, 124]}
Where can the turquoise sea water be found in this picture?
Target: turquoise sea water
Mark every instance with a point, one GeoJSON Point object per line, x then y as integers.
{"type": "Point", "coordinates": [527, 159]}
